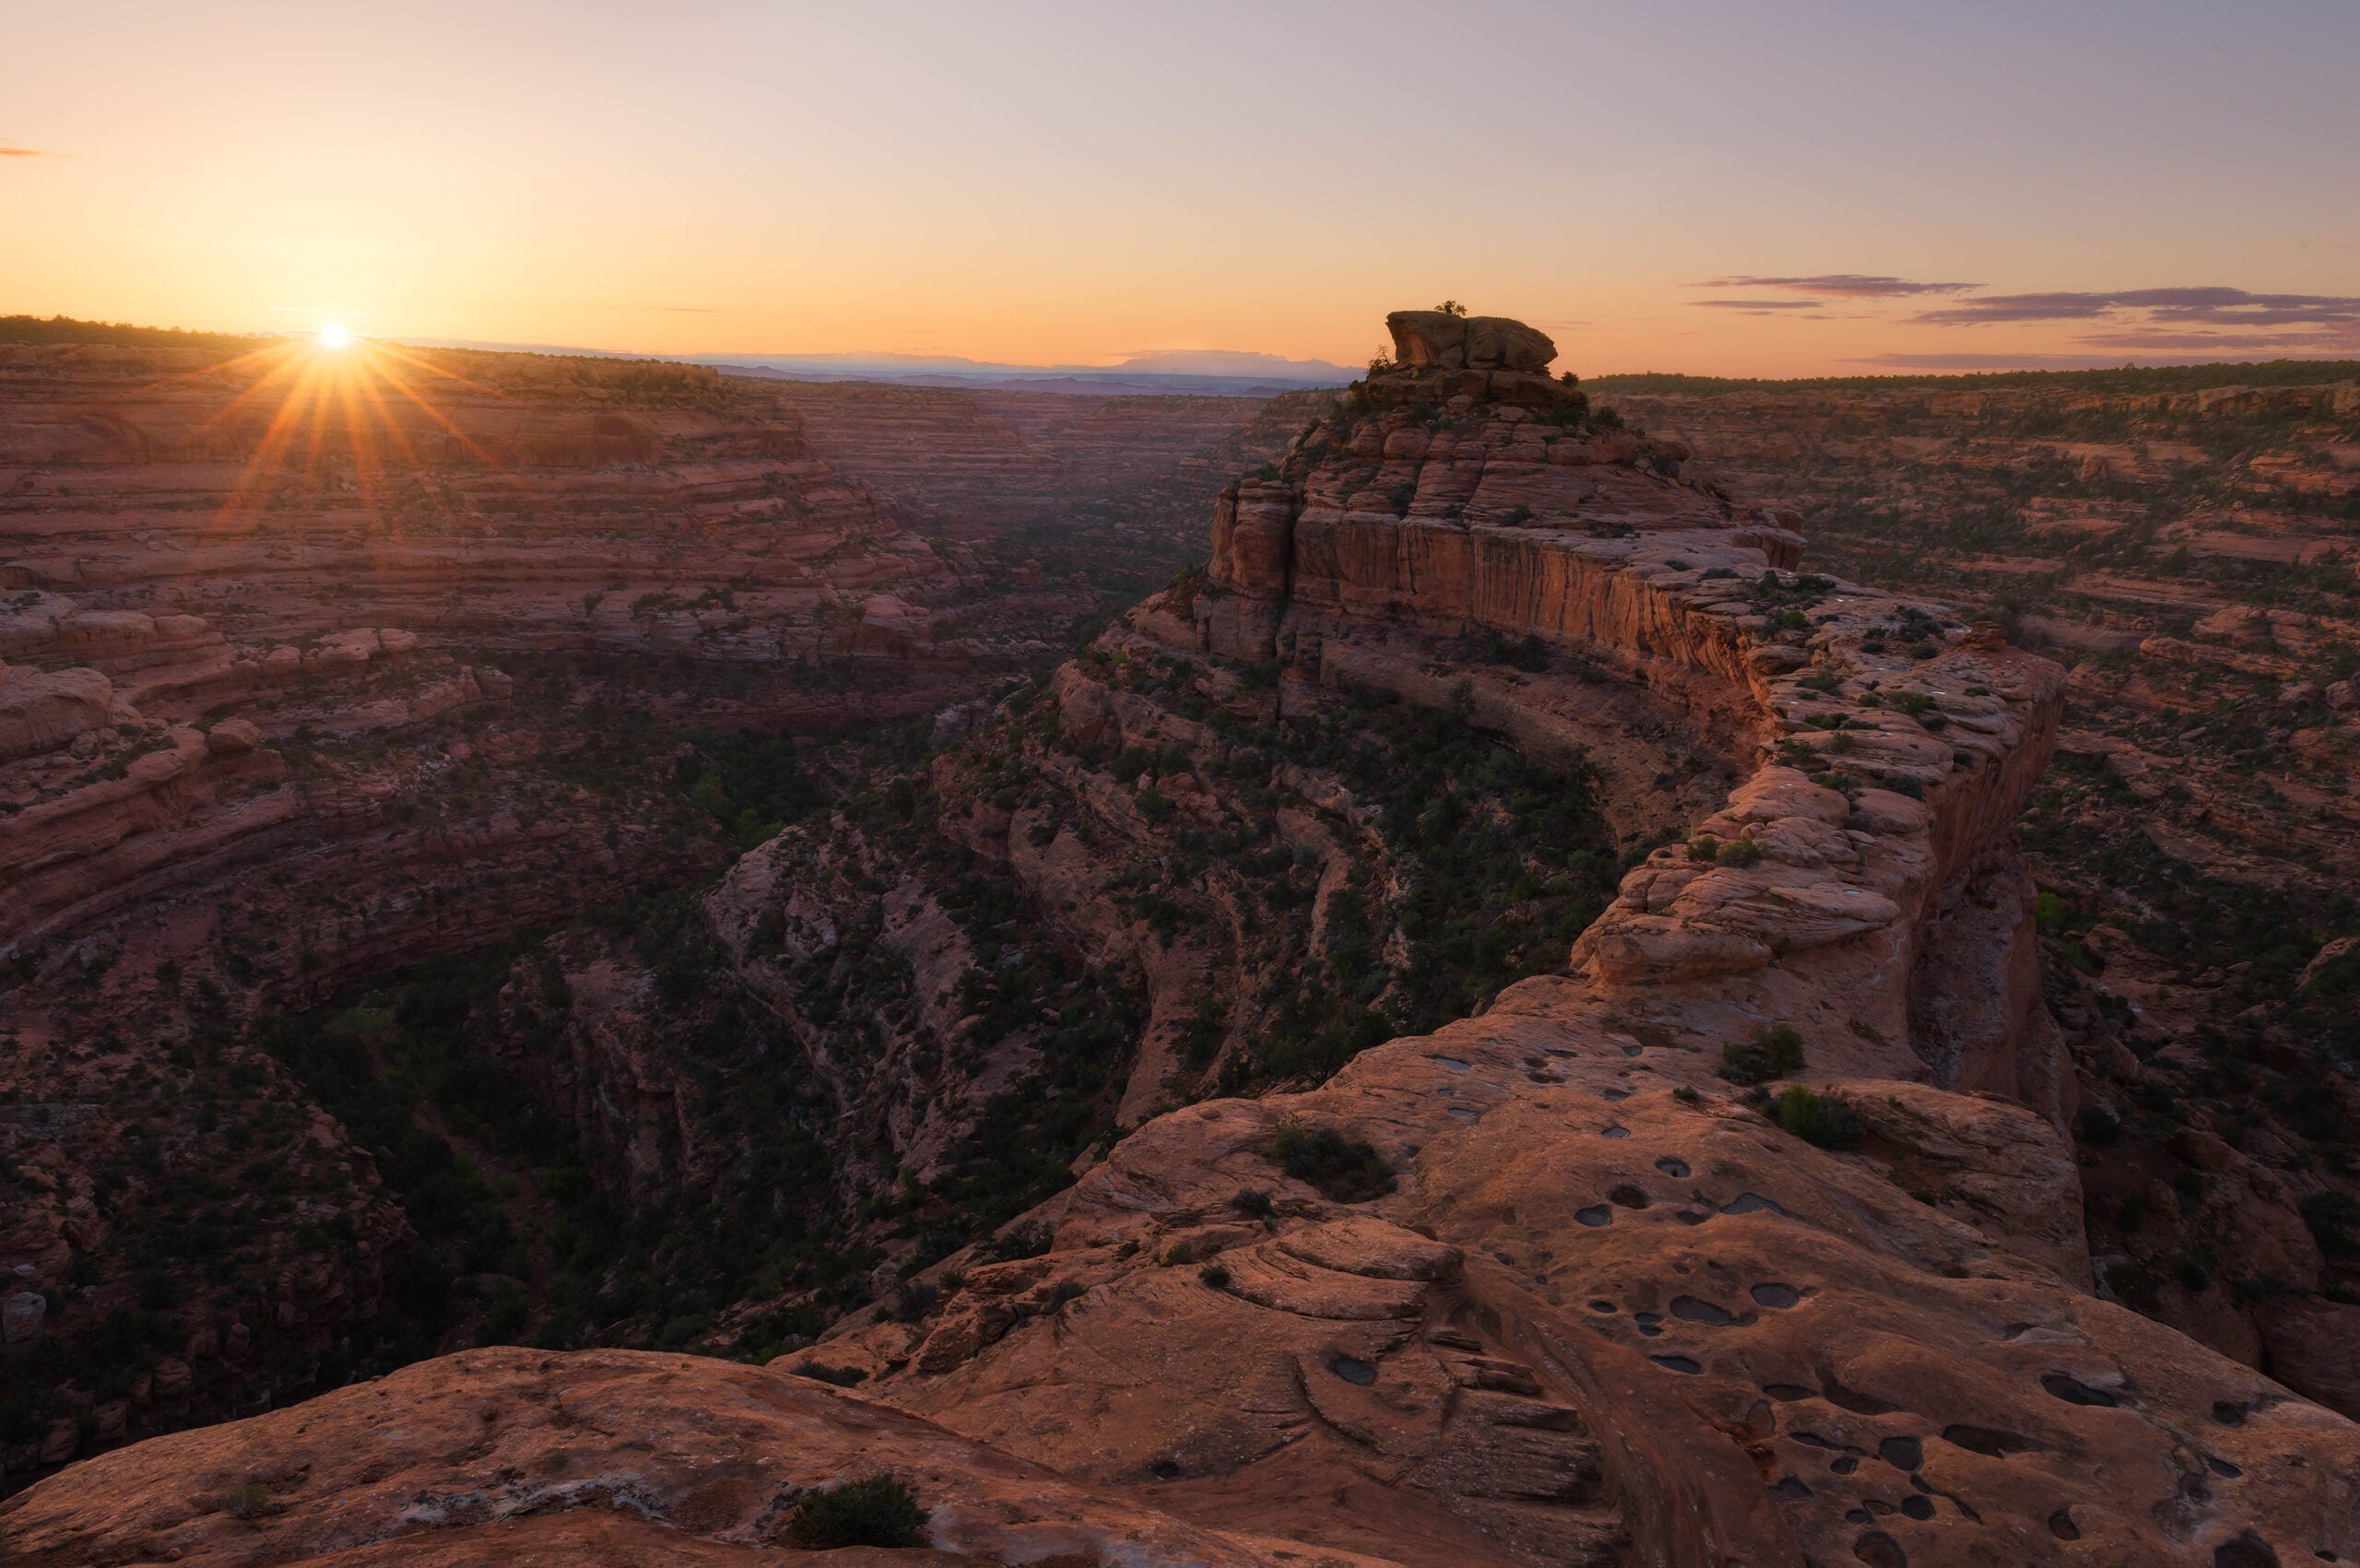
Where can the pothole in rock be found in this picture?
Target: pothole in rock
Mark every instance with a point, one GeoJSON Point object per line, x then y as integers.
{"type": "Point", "coordinates": [1878, 1549]}
{"type": "Point", "coordinates": [2073, 1391]}
{"type": "Point", "coordinates": [1919, 1508]}
{"type": "Point", "coordinates": [1614, 1132]}
{"type": "Point", "coordinates": [1693, 1309]}
{"type": "Point", "coordinates": [1602, 1306]}
{"type": "Point", "coordinates": [1650, 1324]}
{"type": "Point", "coordinates": [1463, 1113]}
{"type": "Point", "coordinates": [1453, 1063]}
{"type": "Point", "coordinates": [1902, 1453]}
{"type": "Point", "coordinates": [1625, 1195]}
{"type": "Point", "coordinates": [1676, 1169]}
{"type": "Point", "coordinates": [1632, 1050]}
{"type": "Point", "coordinates": [1613, 1094]}
{"type": "Point", "coordinates": [1791, 1489]}
{"type": "Point", "coordinates": [1595, 1215]}
{"type": "Point", "coordinates": [1783, 1392]}
{"type": "Point", "coordinates": [1750, 1203]}
{"type": "Point", "coordinates": [1776, 1296]}
{"type": "Point", "coordinates": [1986, 1441]}
{"type": "Point", "coordinates": [1687, 1364]}
{"type": "Point", "coordinates": [1352, 1370]}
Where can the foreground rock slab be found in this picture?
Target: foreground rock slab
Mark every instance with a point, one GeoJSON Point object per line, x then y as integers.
{"type": "Point", "coordinates": [514, 1455]}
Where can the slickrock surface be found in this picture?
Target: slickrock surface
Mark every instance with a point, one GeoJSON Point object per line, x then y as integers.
{"type": "Point", "coordinates": [510, 1455]}
{"type": "Point", "coordinates": [1745, 1226]}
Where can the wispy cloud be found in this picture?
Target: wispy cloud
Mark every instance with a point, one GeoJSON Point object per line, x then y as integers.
{"type": "Point", "coordinates": [2211, 304]}
{"type": "Point", "coordinates": [1986, 362]}
{"type": "Point", "coordinates": [1756, 306]}
{"type": "Point", "coordinates": [7, 151]}
{"type": "Point", "coordinates": [1842, 286]}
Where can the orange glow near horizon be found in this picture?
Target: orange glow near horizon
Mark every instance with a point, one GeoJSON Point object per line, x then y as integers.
{"type": "Point", "coordinates": [324, 404]}
{"type": "Point", "coordinates": [1713, 187]}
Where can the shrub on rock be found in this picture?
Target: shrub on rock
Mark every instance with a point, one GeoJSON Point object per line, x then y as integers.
{"type": "Point", "coordinates": [872, 1511]}
{"type": "Point", "coordinates": [1775, 1050]}
{"type": "Point", "coordinates": [1344, 1170]}
{"type": "Point", "coordinates": [1823, 1119]}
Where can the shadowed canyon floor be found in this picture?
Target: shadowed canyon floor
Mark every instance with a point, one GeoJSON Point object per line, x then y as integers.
{"type": "Point", "coordinates": [1506, 1020]}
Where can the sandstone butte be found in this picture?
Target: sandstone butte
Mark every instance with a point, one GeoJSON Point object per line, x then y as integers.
{"type": "Point", "coordinates": [1594, 1308]}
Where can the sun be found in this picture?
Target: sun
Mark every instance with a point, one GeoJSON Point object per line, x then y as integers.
{"type": "Point", "coordinates": [335, 336]}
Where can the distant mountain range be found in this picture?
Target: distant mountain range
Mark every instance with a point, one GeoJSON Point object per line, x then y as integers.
{"type": "Point", "coordinates": [1187, 370]}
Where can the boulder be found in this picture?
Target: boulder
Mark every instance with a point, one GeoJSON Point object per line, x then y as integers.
{"type": "Point", "coordinates": [42, 711]}
{"type": "Point", "coordinates": [21, 1316]}
{"type": "Point", "coordinates": [1442, 341]}
{"type": "Point", "coordinates": [233, 737]}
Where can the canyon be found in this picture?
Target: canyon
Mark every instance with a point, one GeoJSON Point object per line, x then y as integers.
{"type": "Point", "coordinates": [1506, 1017]}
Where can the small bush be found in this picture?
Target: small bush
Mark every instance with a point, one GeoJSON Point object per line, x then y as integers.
{"type": "Point", "coordinates": [1775, 1050]}
{"type": "Point", "coordinates": [1704, 847]}
{"type": "Point", "coordinates": [842, 1377]}
{"type": "Point", "coordinates": [1064, 1290]}
{"type": "Point", "coordinates": [1344, 1170]}
{"type": "Point", "coordinates": [2100, 1127]}
{"type": "Point", "coordinates": [1823, 1119]}
{"type": "Point", "coordinates": [2332, 1217]}
{"type": "Point", "coordinates": [1028, 1240]}
{"type": "Point", "coordinates": [872, 1511]}
{"type": "Point", "coordinates": [1214, 1275]}
{"type": "Point", "coordinates": [1254, 1205]}
{"type": "Point", "coordinates": [1740, 852]}
{"type": "Point", "coordinates": [1181, 1255]}
{"type": "Point", "coordinates": [1686, 1095]}
{"type": "Point", "coordinates": [246, 1502]}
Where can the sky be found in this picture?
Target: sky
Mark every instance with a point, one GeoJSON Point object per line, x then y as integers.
{"type": "Point", "coordinates": [1738, 187]}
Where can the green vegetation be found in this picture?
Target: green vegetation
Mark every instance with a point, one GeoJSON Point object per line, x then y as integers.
{"type": "Point", "coordinates": [1826, 1120]}
{"type": "Point", "coordinates": [1344, 1170]}
{"type": "Point", "coordinates": [879, 1510]}
{"type": "Point", "coordinates": [65, 329]}
{"type": "Point", "coordinates": [1215, 1275]}
{"type": "Point", "coordinates": [750, 783]}
{"type": "Point", "coordinates": [1775, 1050]}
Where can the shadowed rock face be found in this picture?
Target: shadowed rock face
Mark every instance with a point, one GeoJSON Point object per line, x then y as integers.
{"type": "Point", "coordinates": [1541, 1286]}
